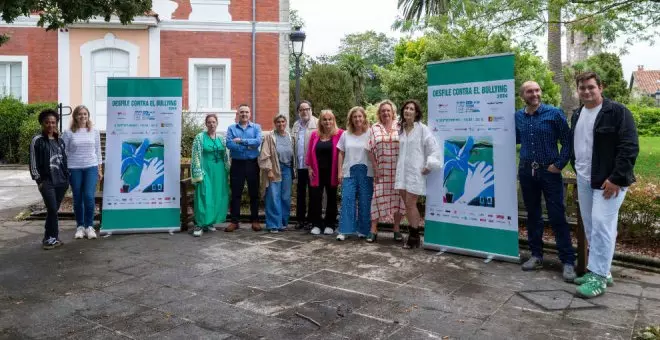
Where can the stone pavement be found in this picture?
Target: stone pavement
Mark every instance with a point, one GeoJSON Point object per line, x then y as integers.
{"type": "Point", "coordinates": [17, 189]}
{"type": "Point", "coordinates": [248, 285]}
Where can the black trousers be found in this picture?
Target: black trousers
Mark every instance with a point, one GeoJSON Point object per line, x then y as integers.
{"type": "Point", "coordinates": [52, 196]}
{"type": "Point", "coordinates": [316, 200]}
{"type": "Point", "coordinates": [242, 170]}
{"type": "Point", "coordinates": [301, 200]}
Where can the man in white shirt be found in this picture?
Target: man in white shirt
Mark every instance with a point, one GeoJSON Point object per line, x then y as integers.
{"type": "Point", "coordinates": [302, 130]}
{"type": "Point", "coordinates": [605, 148]}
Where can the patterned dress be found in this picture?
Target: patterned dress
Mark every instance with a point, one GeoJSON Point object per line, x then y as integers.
{"type": "Point", "coordinates": [385, 147]}
{"type": "Point", "coordinates": [209, 175]}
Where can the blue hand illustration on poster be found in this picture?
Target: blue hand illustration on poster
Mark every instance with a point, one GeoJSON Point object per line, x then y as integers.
{"type": "Point", "coordinates": [142, 166]}
{"type": "Point", "coordinates": [469, 177]}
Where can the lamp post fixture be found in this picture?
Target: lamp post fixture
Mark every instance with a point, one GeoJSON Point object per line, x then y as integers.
{"type": "Point", "coordinates": [297, 38]}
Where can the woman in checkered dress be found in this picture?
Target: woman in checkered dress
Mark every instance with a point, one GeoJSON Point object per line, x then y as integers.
{"type": "Point", "coordinates": [383, 146]}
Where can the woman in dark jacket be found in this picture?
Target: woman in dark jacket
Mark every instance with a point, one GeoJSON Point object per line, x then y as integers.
{"type": "Point", "coordinates": [48, 167]}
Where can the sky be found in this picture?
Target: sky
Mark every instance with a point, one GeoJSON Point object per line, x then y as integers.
{"type": "Point", "coordinates": [326, 22]}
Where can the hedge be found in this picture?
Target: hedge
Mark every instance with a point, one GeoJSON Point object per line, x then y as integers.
{"type": "Point", "coordinates": [13, 115]}
{"type": "Point", "coordinates": [647, 119]}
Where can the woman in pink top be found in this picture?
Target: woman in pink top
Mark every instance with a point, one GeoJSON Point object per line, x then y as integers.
{"type": "Point", "coordinates": [322, 165]}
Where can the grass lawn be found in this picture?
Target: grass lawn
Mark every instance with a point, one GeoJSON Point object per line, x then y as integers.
{"type": "Point", "coordinates": [647, 167]}
{"type": "Point", "coordinates": [648, 161]}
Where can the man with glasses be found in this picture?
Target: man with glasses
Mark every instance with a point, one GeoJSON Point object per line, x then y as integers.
{"type": "Point", "coordinates": [605, 150]}
{"type": "Point", "coordinates": [302, 130]}
{"type": "Point", "coordinates": [243, 141]}
{"type": "Point", "coordinates": [539, 127]}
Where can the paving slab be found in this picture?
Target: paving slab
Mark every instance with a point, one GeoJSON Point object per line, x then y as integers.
{"type": "Point", "coordinates": [247, 285]}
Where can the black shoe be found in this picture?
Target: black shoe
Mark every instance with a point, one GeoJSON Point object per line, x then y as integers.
{"type": "Point", "coordinates": [301, 225]}
{"type": "Point", "coordinates": [413, 240]}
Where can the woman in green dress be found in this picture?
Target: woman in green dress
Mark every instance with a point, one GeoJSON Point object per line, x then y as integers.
{"type": "Point", "coordinates": [209, 175]}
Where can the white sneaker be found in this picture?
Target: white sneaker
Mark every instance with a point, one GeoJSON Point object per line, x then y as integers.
{"type": "Point", "coordinates": [316, 231]}
{"type": "Point", "coordinates": [341, 237]}
{"type": "Point", "coordinates": [80, 233]}
{"type": "Point", "coordinates": [328, 231]}
{"type": "Point", "coordinates": [197, 232]}
{"type": "Point", "coordinates": [211, 228]}
{"type": "Point", "coordinates": [91, 234]}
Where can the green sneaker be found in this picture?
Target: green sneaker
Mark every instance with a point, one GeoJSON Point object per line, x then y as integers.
{"type": "Point", "coordinates": [583, 279]}
{"type": "Point", "coordinates": [596, 286]}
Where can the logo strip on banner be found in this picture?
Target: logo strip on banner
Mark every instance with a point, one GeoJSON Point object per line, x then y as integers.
{"type": "Point", "coordinates": [471, 206]}
{"type": "Point", "coordinates": [141, 191]}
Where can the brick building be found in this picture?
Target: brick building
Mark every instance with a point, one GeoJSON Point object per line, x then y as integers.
{"type": "Point", "coordinates": [208, 43]}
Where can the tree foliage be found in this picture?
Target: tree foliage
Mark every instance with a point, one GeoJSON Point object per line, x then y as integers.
{"type": "Point", "coordinates": [356, 67]}
{"type": "Point", "coordinates": [54, 14]}
{"type": "Point", "coordinates": [608, 67]}
{"type": "Point", "coordinates": [327, 86]}
{"type": "Point", "coordinates": [406, 77]}
{"type": "Point", "coordinates": [375, 50]}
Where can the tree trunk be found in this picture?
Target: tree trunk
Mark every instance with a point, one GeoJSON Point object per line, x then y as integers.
{"type": "Point", "coordinates": [554, 47]}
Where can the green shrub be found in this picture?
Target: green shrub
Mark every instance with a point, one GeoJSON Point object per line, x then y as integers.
{"type": "Point", "coordinates": [12, 114]}
{"type": "Point", "coordinates": [189, 129]}
{"type": "Point", "coordinates": [33, 109]}
{"type": "Point", "coordinates": [647, 119]}
{"type": "Point", "coordinates": [639, 216]}
{"type": "Point", "coordinates": [648, 333]}
{"type": "Point", "coordinates": [29, 128]}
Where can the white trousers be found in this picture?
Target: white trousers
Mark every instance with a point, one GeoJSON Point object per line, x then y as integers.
{"type": "Point", "coordinates": [600, 217]}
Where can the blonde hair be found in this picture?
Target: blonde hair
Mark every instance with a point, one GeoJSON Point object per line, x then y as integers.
{"type": "Point", "coordinates": [74, 122]}
{"type": "Point", "coordinates": [321, 129]}
{"type": "Point", "coordinates": [392, 106]}
{"type": "Point", "coordinates": [349, 119]}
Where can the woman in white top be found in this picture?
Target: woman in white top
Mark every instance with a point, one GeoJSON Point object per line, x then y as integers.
{"type": "Point", "coordinates": [83, 149]}
{"type": "Point", "coordinates": [418, 156]}
{"type": "Point", "coordinates": [355, 175]}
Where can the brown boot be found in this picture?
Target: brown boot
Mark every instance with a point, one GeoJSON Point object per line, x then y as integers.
{"type": "Point", "coordinates": [231, 227]}
{"type": "Point", "coordinates": [256, 226]}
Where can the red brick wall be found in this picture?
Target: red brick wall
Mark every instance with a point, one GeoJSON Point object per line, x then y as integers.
{"type": "Point", "coordinates": [178, 47]}
{"type": "Point", "coordinates": [267, 10]}
{"type": "Point", "coordinates": [41, 48]}
{"type": "Point", "coordinates": [183, 11]}
{"type": "Point", "coordinates": [240, 10]}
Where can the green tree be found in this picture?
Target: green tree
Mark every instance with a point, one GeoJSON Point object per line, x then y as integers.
{"type": "Point", "coordinates": [608, 67]}
{"type": "Point", "coordinates": [356, 67]}
{"type": "Point", "coordinates": [54, 14]}
{"type": "Point", "coordinates": [328, 87]}
{"type": "Point", "coordinates": [376, 49]}
{"type": "Point", "coordinates": [607, 18]}
{"type": "Point", "coordinates": [406, 77]}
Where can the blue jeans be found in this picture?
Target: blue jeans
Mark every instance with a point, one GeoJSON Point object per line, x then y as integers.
{"type": "Point", "coordinates": [278, 200]}
{"type": "Point", "coordinates": [600, 217]}
{"type": "Point", "coordinates": [552, 187]}
{"type": "Point", "coordinates": [357, 186]}
{"type": "Point", "coordinates": [83, 186]}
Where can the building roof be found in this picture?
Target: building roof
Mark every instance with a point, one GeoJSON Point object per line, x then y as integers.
{"type": "Point", "coordinates": [645, 81]}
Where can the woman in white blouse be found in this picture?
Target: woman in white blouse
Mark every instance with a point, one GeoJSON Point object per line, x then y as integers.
{"type": "Point", "coordinates": [83, 149]}
{"type": "Point", "coordinates": [418, 156]}
{"type": "Point", "coordinates": [355, 175]}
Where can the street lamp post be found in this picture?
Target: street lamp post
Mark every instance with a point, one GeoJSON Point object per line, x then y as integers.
{"type": "Point", "coordinates": [297, 38]}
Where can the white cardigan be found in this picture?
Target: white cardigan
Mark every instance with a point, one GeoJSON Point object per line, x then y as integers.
{"type": "Point", "coordinates": [418, 149]}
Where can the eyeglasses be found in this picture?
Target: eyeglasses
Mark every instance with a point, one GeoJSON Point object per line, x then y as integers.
{"type": "Point", "coordinates": [305, 109]}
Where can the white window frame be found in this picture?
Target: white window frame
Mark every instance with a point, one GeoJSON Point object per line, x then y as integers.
{"type": "Point", "coordinates": [108, 41]}
{"type": "Point", "coordinates": [23, 59]}
{"type": "Point", "coordinates": [193, 63]}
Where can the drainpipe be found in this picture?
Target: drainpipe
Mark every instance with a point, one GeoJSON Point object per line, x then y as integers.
{"type": "Point", "coordinates": [254, 57]}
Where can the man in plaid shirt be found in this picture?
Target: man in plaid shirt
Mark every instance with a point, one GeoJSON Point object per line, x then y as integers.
{"type": "Point", "coordinates": [538, 129]}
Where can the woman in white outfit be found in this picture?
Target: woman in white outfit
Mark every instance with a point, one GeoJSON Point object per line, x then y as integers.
{"type": "Point", "coordinates": [418, 155]}
{"type": "Point", "coordinates": [83, 150]}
